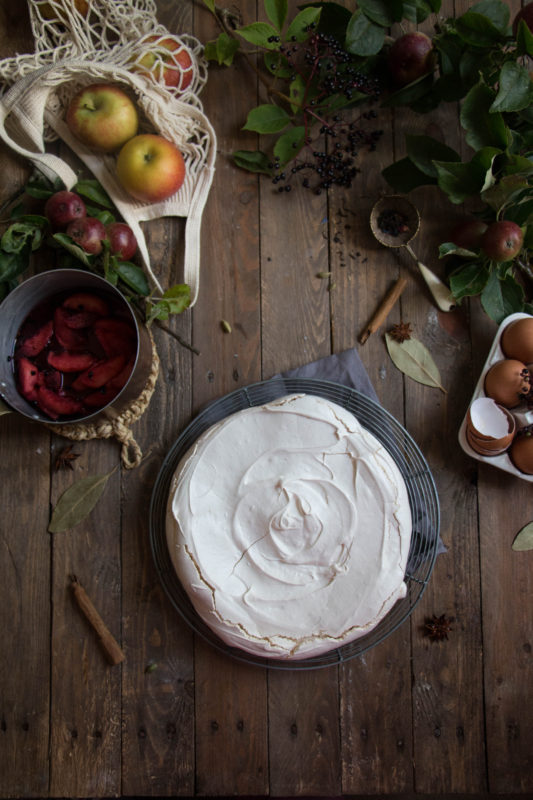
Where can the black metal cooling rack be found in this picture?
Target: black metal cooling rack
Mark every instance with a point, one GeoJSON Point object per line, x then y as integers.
{"type": "Point", "coordinates": [420, 485]}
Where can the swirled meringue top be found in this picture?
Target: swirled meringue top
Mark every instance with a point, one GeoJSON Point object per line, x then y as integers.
{"type": "Point", "coordinates": [289, 526]}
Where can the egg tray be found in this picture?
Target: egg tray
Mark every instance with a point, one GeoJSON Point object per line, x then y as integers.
{"type": "Point", "coordinates": [522, 415]}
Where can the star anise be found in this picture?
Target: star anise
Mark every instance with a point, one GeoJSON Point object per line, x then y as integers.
{"type": "Point", "coordinates": [65, 458]}
{"type": "Point", "coordinates": [438, 628]}
{"type": "Point", "coordinates": [401, 331]}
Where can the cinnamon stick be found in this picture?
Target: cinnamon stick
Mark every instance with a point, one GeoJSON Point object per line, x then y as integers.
{"type": "Point", "coordinates": [383, 309]}
{"type": "Point", "coordinates": [109, 644]}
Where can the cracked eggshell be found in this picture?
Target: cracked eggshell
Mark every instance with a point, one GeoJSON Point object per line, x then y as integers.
{"type": "Point", "coordinates": [506, 381]}
{"type": "Point", "coordinates": [490, 428]}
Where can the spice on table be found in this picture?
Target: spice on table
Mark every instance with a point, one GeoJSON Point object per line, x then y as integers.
{"type": "Point", "coordinates": [401, 331]}
{"type": "Point", "coordinates": [109, 644]}
{"type": "Point", "coordinates": [226, 327]}
{"type": "Point", "coordinates": [384, 309]}
{"type": "Point", "coordinates": [65, 458]}
{"type": "Point", "coordinates": [438, 628]}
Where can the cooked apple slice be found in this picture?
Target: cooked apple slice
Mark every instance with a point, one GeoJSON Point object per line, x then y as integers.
{"type": "Point", "coordinates": [67, 337]}
{"type": "Point", "coordinates": [33, 345]}
{"type": "Point", "coordinates": [101, 397]}
{"type": "Point", "coordinates": [57, 405]}
{"type": "Point", "coordinates": [86, 301]}
{"type": "Point", "coordinates": [99, 374]}
{"type": "Point", "coordinates": [70, 362]}
{"type": "Point", "coordinates": [28, 378]}
{"type": "Point", "coordinates": [115, 336]}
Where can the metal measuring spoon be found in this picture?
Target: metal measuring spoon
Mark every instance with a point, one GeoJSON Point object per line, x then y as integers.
{"type": "Point", "coordinates": [400, 208]}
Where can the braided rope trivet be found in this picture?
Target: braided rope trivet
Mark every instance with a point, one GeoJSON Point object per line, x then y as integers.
{"type": "Point", "coordinates": [131, 453]}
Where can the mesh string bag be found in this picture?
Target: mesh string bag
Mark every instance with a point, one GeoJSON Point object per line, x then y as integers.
{"type": "Point", "coordinates": [81, 42]}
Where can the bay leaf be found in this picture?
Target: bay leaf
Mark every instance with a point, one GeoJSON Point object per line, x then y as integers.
{"type": "Point", "coordinates": [77, 502]}
{"type": "Point", "coordinates": [414, 360]}
{"type": "Point", "coordinates": [524, 538]}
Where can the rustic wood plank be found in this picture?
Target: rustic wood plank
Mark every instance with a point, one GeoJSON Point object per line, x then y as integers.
{"type": "Point", "coordinates": [231, 758]}
{"type": "Point", "coordinates": [85, 715]}
{"type": "Point", "coordinates": [447, 696]}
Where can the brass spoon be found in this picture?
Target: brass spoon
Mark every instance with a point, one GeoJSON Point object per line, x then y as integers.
{"type": "Point", "coordinates": [401, 205]}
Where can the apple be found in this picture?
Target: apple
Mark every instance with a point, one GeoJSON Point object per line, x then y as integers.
{"type": "Point", "coordinates": [410, 57]}
{"type": "Point", "coordinates": [502, 240]}
{"type": "Point", "coordinates": [167, 60]}
{"type": "Point", "coordinates": [526, 14]}
{"type": "Point", "coordinates": [150, 168]}
{"type": "Point", "coordinates": [122, 241]}
{"type": "Point", "coordinates": [467, 234]}
{"type": "Point", "coordinates": [88, 233]}
{"type": "Point", "coordinates": [102, 116]}
{"type": "Point", "coordinates": [64, 207]}
{"type": "Point", "coordinates": [49, 12]}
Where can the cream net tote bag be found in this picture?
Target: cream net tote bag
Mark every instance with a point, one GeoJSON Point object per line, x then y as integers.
{"type": "Point", "coordinates": [79, 42]}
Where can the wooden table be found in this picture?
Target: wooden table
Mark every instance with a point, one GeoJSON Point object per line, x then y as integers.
{"type": "Point", "coordinates": [178, 717]}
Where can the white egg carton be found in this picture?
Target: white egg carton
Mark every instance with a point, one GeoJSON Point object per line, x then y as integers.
{"type": "Point", "coordinates": [522, 414]}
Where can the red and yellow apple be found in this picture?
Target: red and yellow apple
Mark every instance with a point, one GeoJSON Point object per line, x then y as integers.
{"type": "Point", "coordinates": [150, 168]}
{"type": "Point", "coordinates": [167, 60]}
{"type": "Point", "coordinates": [102, 116]}
{"type": "Point", "coordinates": [52, 12]}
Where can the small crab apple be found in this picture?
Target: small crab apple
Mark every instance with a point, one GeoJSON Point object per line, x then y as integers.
{"type": "Point", "coordinates": [88, 233]}
{"type": "Point", "coordinates": [467, 233]}
{"type": "Point", "coordinates": [168, 60]}
{"type": "Point", "coordinates": [410, 57]}
{"type": "Point", "coordinates": [63, 207]}
{"type": "Point", "coordinates": [502, 240]}
{"type": "Point", "coordinates": [122, 241]}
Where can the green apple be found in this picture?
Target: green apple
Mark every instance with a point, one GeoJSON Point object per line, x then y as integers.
{"type": "Point", "coordinates": [102, 116]}
{"type": "Point", "coordinates": [166, 59]}
{"type": "Point", "coordinates": [150, 168]}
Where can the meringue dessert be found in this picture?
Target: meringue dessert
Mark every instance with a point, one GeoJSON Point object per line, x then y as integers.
{"type": "Point", "coordinates": [289, 527]}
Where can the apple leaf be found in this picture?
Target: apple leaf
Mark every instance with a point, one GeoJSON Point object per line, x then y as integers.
{"type": "Point", "coordinates": [524, 40]}
{"type": "Point", "coordinates": [483, 127]}
{"type": "Point", "coordinates": [382, 12]}
{"type": "Point", "coordinates": [94, 192]}
{"type": "Point", "coordinates": [502, 296]}
{"type": "Point", "coordinates": [524, 538]}
{"type": "Point", "coordinates": [261, 34]}
{"type": "Point", "coordinates": [66, 242]}
{"type": "Point", "coordinates": [403, 176]}
{"type": "Point", "coordinates": [515, 89]}
{"type": "Point", "coordinates": [133, 276]}
{"type": "Point", "coordinates": [419, 10]}
{"type": "Point", "coordinates": [478, 30]}
{"type": "Point", "coordinates": [266, 118]}
{"type": "Point", "coordinates": [276, 11]}
{"type": "Point", "coordinates": [451, 249]}
{"type": "Point", "coordinates": [468, 280]}
{"type": "Point", "coordinates": [252, 160]}
{"type": "Point", "coordinates": [424, 151]}
{"type": "Point", "coordinates": [211, 5]}
{"type": "Point", "coordinates": [300, 26]}
{"type": "Point", "coordinates": [496, 11]}
{"type": "Point", "coordinates": [411, 93]}
{"type": "Point", "coordinates": [363, 37]}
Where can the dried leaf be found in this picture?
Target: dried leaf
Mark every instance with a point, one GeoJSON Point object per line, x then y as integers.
{"type": "Point", "coordinates": [414, 360]}
{"type": "Point", "coordinates": [4, 409]}
{"type": "Point", "coordinates": [77, 502]}
{"type": "Point", "coordinates": [524, 538]}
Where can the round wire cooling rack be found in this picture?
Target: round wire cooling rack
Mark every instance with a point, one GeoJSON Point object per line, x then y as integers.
{"type": "Point", "coordinates": [415, 471]}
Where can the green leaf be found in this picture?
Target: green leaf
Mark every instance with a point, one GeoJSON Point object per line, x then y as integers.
{"type": "Point", "coordinates": [363, 37]}
{"type": "Point", "coordinates": [266, 119]}
{"type": "Point", "coordinates": [302, 24]}
{"type": "Point", "coordinates": [414, 360]}
{"type": "Point", "coordinates": [93, 191]}
{"type": "Point", "coordinates": [289, 143]}
{"type": "Point", "coordinates": [458, 181]}
{"type": "Point", "coordinates": [259, 33]}
{"type": "Point", "coordinates": [19, 235]}
{"type": "Point", "coordinates": [66, 242]}
{"type": "Point", "coordinates": [4, 409]}
{"type": "Point", "coordinates": [504, 191]}
{"type": "Point", "coordinates": [174, 301]}
{"type": "Point", "coordinates": [252, 160]}
{"type": "Point", "coordinates": [482, 127]}
{"type": "Point", "coordinates": [419, 10]}
{"type": "Point", "coordinates": [524, 539]}
{"type": "Point", "coordinates": [77, 502]}
{"type": "Point", "coordinates": [521, 213]}
{"type": "Point", "coordinates": [334, 19]}
{"type": "Point", "coordinates": [410, 93]}
{"type": "Point", "coordinates": [382, 12]}
{"type": "Point", "coordinates": [276, 11]}
{"type": "Point", "coordinates": [477, 30]}
{"type": "Point", "coordinates": [404, 176]}
{"type": "Point", "coordinates": [502, 297]}
{"type": "Point", "coordinates": [468, 280]}
{"type": "Point", "coordinates": [211, 5]}
{"type": "Point", "coordinates": [496, 11]}
{"type": "Point", "coordinates": [451, 249]}
{"type": "Point", "coordinates": [40, 187]}
{"type": "Point", "coordinates": [133, 276]}
{"type": "Point", "coordinates": [277, 64]}
{"type": "Point", "coordinates": [424, 150]}
{"type": "Point", "coordinates": [515, 89]}
{"type": "Point", "coordinates": [524, 40]}
{"type": "Point", "coordinates": [13, 264]}
{"type": "Point", "coordinates": [222, 50]}
{"type": "Point", "coordinates": [297, 89]}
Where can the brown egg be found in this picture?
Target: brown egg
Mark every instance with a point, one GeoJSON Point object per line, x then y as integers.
{"type": "Point", "coordinates": [521, 452]}
{"type": "Point", "coordinates": [517, 340]}
{"type": "Point", "coordinates": [507, 381]}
